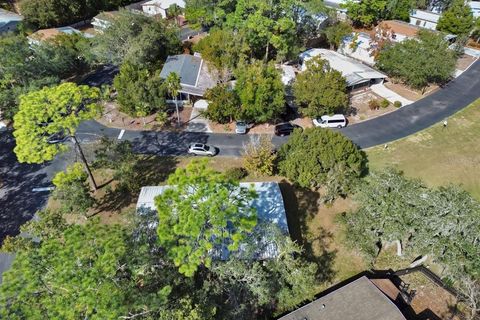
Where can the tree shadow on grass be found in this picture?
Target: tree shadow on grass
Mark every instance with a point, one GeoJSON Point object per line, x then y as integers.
{"type": "Point", "coordinates": [149, 170]}
{"type": "Point", "coordinates": [301, 206]}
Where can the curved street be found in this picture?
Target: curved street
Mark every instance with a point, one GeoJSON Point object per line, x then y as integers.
{"type": "Point", "coordinates": [18, 202]}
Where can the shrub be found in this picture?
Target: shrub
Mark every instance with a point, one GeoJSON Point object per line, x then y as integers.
{"type": "Point", "coordinates": [72, 190]}
{"type": "Point", "coordinates": [397, 104]}
{"type": "Point", "coordinates": [384, 104]}
{"type": "Point", "coordinates": [320, 157]}
{"type": "Point", "coordinates": [373, 104]}
{"type": "Point", "coordinates": [259, 156]}
{"type": "Point", "coordinates": [237, 173]}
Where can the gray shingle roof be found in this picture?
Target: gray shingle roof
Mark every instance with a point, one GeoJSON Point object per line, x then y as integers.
{"type": "Point", "coordinates": [358, 300]}
{"type": "Point", "coordinates": [186, 66]}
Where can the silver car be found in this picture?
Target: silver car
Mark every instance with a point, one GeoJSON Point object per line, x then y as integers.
{"type": "Point", "coordinates": [200, 149]}
{"type": "Point", "coordinates": [241, 127]}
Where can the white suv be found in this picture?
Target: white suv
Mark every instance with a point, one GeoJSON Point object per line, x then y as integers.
{"type": "Point", "coordinates": [335, 121]}
{"type": "Point", "coordinates": [200, 149]}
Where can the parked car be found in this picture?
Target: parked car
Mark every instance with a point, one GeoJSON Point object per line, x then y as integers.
{"type": "Point", "coordinates": [285, 129]}
{"type": "Point", "coordinates": [335, 121]}
{"type": "Point", "coordinates": [241, 127]}
{"type": "Point", "coordinates": [200, 149]}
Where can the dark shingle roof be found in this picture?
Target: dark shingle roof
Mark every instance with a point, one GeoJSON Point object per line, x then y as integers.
{"type": "Point", "coordinates": [358, 300]}
{"type": "Point", "coordinates": [185, 65]}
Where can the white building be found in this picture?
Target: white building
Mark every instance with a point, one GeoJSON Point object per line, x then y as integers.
{"type": "Point", "coordinates": [270, 212]}
{"type": "Point", "coordinates": [356, 73]}
{"type": "Point", "coordinates": [358, 46]}
{"type": "Point", "coordinates": [160, 7]}
{"type": "Point", "coordinates": [475, 5]}
{"type": "Point", "coordinates": [424, 19]}
{"type": "Point", "coordinates": [103, 20]}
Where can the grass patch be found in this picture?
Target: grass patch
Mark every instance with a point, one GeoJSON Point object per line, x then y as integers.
{"type": "Point", "coordinates": [438, 155]}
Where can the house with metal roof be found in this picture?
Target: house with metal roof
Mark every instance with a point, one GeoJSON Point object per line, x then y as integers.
{"type": "Point", "coordinates": [160, 7]}
{"type": "Point", "coordinates": [48, 34]}
{"type": "Point", "coordinates": [9, 21]}
{"type": "Point", "coordinates": [195, 76]}
{"type": "Point", "coordinates": [425, 19]}
{"type": "Point", "coordinates": [270, 213]}
{"type": "Point", "coordinates": [358, 300]}
{"type": "Point", "coordinates": [103, 20]}
{"type": "Point", "coordinates": [356, 73]}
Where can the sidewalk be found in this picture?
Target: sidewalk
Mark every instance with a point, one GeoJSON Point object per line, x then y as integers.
{"type": "Point", "coordinates": [388, 94]}
{"type": "Point", "coordinates": [197, 123]}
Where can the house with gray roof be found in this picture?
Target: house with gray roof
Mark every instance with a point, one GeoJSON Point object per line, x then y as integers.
{"type": "Point", "coordinates": [270, 214]}
{"type": "Point", "coordinates": [358, 300]}
{"type": "Point", "coordinates": [195, 75]}
{"type": "Point", "coordinates": [9, 21]}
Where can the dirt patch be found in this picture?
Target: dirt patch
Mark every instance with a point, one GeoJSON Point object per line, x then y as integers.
{"type": "Point", "coordinates": [112, 117]}
{"type": "Point", "coordinates": [359, 108]}
{"type": "Point", "coordinates": [430, 298]}
{"type": "Point", "coordinates": [409, 93]}
{"type": "Point", "coordinates": [465, 61]}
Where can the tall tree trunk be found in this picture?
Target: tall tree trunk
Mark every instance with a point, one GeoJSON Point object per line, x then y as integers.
{"type": "Point", "coordinates": [178, 113]}
{"type": "Point", "coordinates": [84, 161]}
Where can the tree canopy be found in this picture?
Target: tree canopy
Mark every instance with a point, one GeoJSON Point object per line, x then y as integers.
{"type": "Point", "coordinates": [223, 104]}
{"type": "Point", "coordinates": [24, 68]}
{"type": "Point", "coordinates": [71, 188]}
{"type": "Point", "coordinates": [320, 90]}
{"type": "Point", "coordinates": [223, 49]}
{"type": "Point", "coordinates": [138, 39]}
{"type": "Point", "coordinates": [70, 277]}
{"type": "Point", "coordinates": [333, 161]}
{"type": "Point", "coordinates": [276, 30]}
{"type": "Point", "coordinates": [442, 222]}
{"type": "Point", "coordinates": [261, 92]}
{"type": "Point", "coordinates": [140, 92]}
{"type": "Point", "coordinates": [201, 210]}
{"type": "Point", "coordinates": [272, 286]}
{"type": "Point", "coordinates": [419, 62]}
{"type": "Point", "coordinates": [457, 19]}
{"type": "Point", "coordinates": [54, 13]}
{"type": "Point", "coordinates": [365, 12]}
{"type": "Point", "coordinates": [49, 112]}
{"type": "Point", "coordinates": [336, 32]}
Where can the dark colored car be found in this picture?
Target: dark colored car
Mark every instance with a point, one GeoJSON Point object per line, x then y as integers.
{"type": "Point", "coordinates": [285, 129]}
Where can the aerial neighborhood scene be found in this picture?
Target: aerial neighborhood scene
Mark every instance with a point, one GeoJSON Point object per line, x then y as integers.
{"type": "Point", "coordinates": [240, 159]}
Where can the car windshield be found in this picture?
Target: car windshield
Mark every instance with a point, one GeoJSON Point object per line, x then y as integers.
{"type": "Point", "coordinates": [240, 124]}
{"type": "Point", "coordinates": [206, 148]}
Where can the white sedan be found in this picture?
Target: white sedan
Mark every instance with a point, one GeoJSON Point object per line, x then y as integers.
{"type": "Point", "coordinates": [200, 149]}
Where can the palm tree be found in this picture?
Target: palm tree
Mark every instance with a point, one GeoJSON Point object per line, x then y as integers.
{"type": "Point", "coordinates": [173, 88]}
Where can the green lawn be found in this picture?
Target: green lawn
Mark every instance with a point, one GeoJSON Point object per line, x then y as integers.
{"type": "Point", "coordinates": [439, 156]}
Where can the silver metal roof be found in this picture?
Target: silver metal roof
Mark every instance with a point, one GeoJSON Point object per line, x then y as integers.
{"type": "Point", "coordinates": [270, 211]}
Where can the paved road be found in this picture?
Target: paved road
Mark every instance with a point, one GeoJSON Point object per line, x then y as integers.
{"type": "Point", "coordinates": [419, 115]}
{"type": "Point", "coordinates": [18, 203]}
